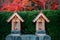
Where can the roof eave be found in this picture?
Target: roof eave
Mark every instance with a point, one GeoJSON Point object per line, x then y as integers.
{"type": "Point", "coordinates": [13, 16]}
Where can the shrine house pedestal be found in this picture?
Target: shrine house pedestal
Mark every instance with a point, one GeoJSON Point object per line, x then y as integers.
{"type": "Point", "coordinates": [28, 37]}
{"type": "Point", "coordinates": [15, 35]}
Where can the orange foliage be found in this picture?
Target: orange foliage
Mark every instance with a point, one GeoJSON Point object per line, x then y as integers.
{"type": "Point", "coordinates": [25, 2]}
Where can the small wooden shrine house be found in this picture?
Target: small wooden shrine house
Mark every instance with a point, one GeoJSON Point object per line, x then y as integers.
{"type": "Point", "coordinates": [40, 21]}
{"type": "Point", "coordinates": [15, 20]}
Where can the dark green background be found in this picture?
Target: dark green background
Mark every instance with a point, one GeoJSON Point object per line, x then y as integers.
{"type": "Point", "coordinates": [28, 27]}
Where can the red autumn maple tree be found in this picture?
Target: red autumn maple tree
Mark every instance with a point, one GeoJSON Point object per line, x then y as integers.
{"type": "Point", "coordinates": [13, 6]}
{"type": "Point", "coordinates": [54, 6]}
{"type": "Point", "coordinates": [20, 5]}
{"type": "Point", "coordinates": [41, 3]}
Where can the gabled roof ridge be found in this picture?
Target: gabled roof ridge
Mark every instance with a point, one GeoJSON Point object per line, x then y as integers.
{"type": "Point", "coordinates": [13, 16]}
{"type": "Point", "coordinates": [41, 14]}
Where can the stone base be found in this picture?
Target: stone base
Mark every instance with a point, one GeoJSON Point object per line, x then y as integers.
{"type": "Point", "coordinates": [40, 32]}
{"type": "Point", "coordinates": [43, 37]}
{"type": "Point", "coordinates": [13, 37]}
{"type": "Point", "coordinates": [28, 37]}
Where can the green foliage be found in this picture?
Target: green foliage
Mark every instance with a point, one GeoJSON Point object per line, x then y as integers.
{"type": "Point", "coordinates": [28, 27]}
